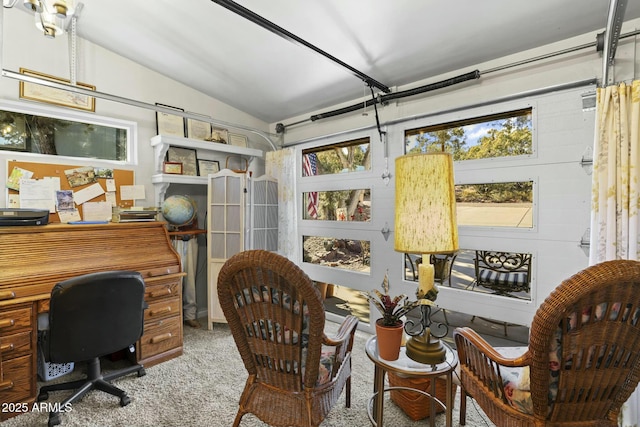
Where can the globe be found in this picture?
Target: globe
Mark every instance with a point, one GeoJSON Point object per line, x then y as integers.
{"type": "Point", "coordinates": [179, 210]}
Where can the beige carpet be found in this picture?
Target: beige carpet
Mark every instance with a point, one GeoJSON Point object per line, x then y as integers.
{"type": "Point", "coordinates": [202, 388]}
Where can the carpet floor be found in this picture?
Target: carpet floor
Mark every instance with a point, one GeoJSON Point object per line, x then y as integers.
{"type": "Point", "coordinates": [203, 386]}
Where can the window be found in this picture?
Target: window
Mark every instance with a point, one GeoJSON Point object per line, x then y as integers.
{"type": "Point", "coordinates": [334, 252]}
{"type": "Point", "coordinates": [56, 136]}
{"type": "Point", "coordinates": [497, 135]}
{"type": "Point", "coordinates": [350, 156]}
{"type": "Point", "coordinates": [498, 204]}
{"type": "Point", "coordinates": [343, 205]}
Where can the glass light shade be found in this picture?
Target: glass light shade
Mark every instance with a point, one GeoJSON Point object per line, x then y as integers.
{"type": "Point", "coordinates": [32, 5]}
{"type": "Point", "coordinates": [425, 210]}
{"type": "Point", "coordinates": [50, 24]}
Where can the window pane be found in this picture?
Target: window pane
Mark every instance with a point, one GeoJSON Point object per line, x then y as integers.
{"type": "Point", "coordinates": [47, 135]}
{"type": "Point", "coordinates": [498, 204]}
{"type": "Point", "coordinates": [351, 156]}
{"type": "Point", "coordinates": [345, 205]}
{"type": "Point", "coordinates": [343, 301]}
{"type": "Point", "coordinates": [506, 274]}
{"type": "Point", "coordinates": [499, 135]}
{"type": "Point", "coordinates": [346, 254]}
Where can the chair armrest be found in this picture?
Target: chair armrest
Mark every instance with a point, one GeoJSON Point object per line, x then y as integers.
{"type": "Point", "coordinates": [342, 341]}
{"type": "Point", "coordinates": [468, 340]}
{"type": "Point", "coordinates": [345, 331]}
{"type": "Point", "coordinates": [480, 364]}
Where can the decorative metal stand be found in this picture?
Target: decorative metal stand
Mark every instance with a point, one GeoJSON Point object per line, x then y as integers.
{"type": "Point", "coordinates": [424, 346]}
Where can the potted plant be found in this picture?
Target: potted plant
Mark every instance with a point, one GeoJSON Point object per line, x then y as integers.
{"type": "Point", "coordinates": [389, 327]}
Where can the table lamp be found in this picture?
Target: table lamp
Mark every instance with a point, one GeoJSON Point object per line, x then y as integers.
{"type": "Point", "coordinates": [425, 223]}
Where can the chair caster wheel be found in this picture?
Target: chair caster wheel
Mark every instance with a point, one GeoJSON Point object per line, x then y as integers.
{"type": "Point", "coordinates": [125, 400]}
{"type": "Point", "coordinates": [141, 372]}
{"type": "Point", "coordinates": [43, 396]}
{"type": "Point", "coordinates": [54, 419]}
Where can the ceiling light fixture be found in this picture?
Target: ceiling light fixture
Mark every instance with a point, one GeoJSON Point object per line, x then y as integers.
{"type": "Point", "coordinates": [52, 17]}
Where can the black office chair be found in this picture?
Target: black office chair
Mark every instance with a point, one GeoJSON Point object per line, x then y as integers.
{"type": "Point", "coordinates": [92, 316]}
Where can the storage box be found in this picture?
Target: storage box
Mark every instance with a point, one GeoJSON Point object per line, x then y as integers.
{"type": "Point", "coordinates": [48, 371]}
{"type": "Point", "coordinates": [417, 406]}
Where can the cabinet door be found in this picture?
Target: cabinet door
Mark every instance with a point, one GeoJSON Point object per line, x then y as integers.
{"type": "Point", "coordinates": [226, 199]}
{"type": "Point", "coordinates": [264, 214]}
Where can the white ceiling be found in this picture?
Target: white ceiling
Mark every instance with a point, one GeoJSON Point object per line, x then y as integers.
{"type": "Point", "coordinates": [396, 42]}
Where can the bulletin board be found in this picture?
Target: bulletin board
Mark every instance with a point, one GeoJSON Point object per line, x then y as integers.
{"type": "Point", "coordinates": [42, 170]}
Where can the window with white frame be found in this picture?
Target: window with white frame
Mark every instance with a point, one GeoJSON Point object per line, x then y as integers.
{"type": "Point", "coordinates": [57, 135]}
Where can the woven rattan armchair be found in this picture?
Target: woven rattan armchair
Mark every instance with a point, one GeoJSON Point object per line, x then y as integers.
{"type": "Point", "coordinates": [277, 319]}
{"type": "Point", "coordinates": [584, 343]}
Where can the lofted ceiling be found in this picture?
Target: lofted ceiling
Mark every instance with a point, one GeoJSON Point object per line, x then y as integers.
{"type": "Point", "coordinates": [396, 42]}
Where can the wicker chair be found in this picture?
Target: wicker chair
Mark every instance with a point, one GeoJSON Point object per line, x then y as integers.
{"type": "Point", "coordinates": [277, 319]}
{"type": "Point", "coordinates": [584, 340]}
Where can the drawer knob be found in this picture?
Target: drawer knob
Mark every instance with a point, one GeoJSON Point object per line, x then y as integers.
{"type": "Point", "coordinates": [7, 295]}
{"type": "Point", "coordinates": [163, 310]}
{"type": "Point", "coordinates": [7, 323]}
{"type": "Point", "coordinates": [160, 338]}
{"type": "Point", "coordinates": [160, 293]}
{"type": "Point", "coordinates": [5, 348]}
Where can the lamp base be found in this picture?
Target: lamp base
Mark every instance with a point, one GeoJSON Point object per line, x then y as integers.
{"type": "Point", "coordinates": [426, 349]}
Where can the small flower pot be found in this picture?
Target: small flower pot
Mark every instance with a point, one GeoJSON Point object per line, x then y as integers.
{"type": "Point", "coordinates": [389, 340]}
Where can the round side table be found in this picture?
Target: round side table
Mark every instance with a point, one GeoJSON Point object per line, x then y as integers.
{"type": "Point", "coordinates": [408, 367]}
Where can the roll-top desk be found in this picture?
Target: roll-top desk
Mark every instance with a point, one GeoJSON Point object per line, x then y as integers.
{"type": "Point", "coordinates": [34, 259]}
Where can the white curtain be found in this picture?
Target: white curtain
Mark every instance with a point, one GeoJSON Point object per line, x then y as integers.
{"type": "Point", "coordinates": [281, 166]}
{"type": "Point", "coordinates": [615, 190]}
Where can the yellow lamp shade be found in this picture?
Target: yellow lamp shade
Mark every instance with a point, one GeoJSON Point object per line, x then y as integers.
{"type": "Point", "coordinates": [425, 210]}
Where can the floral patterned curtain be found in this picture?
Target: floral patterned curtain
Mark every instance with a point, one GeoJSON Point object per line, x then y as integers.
{"type": "Point", "coordinates": [616, 190]}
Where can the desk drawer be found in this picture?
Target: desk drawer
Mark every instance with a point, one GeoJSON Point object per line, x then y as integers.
{"type": "Point", "coordinates": [161, 336]}
{"type": "Point", "coordinates": [162, 309]}
{"type": "Point", "coordinates": [12, 345]}
{"type": "Point", "coordinates": [15, 384]}
{"type": "Point", "coordinates": [156, 291]}
{"type": "Point", "coordinates": [12, 321]}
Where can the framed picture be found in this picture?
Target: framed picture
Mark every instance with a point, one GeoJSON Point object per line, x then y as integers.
{"type": "Point", "coordinates": [219, 135]}
{"type": "Point", "coordinates": [238, 140]}
{"type": "Point", "coordinates": [172, 167]}
{"type": "Point", "coordinates": [206, 167]}
{"type": "Point", "coordinates": [187, 157]}
{"type": "Point", "coordinates": [169, 124]}
{"type": "Point", "coordinates": [197, 129]}
{"type": "Point", "coordinates": [61, 97]}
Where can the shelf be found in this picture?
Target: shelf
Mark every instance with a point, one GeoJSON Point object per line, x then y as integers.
{"type": "Point", "coordinates": [164, 141]}
{"type": "Point", "coordinates": [165, 178]}
{"type": "Point", "coordinates": [161, 144]}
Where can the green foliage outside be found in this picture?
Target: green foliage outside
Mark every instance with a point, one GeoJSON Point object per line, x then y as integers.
{"type": "Point", "coordinates": [340, 159]}
{"type": "Point", "coordinates": [508, 137]}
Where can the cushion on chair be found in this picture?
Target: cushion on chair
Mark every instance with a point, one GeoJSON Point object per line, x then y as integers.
{"type": "Point", "coordinates": [500, 278]}
{"type": "Point", "coordinates": [516, 380]}
{"type": "Point", "coordinates": [327, 356]}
